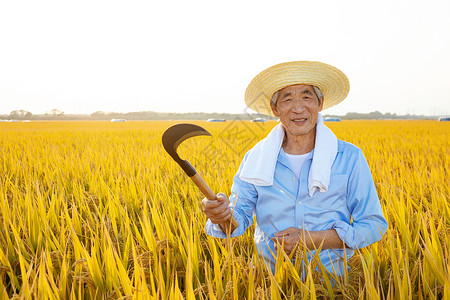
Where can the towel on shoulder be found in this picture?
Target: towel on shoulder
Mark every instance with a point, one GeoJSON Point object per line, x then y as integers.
{"type": "Point", "coordinates": [259, 167]}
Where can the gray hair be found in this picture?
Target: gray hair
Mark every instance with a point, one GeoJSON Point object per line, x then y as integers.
{"type": "Point", "coordinates": [316, 90]}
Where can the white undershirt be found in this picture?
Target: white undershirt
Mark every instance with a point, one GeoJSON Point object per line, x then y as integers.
{"type": "Point", "coordinates": [296, 161]}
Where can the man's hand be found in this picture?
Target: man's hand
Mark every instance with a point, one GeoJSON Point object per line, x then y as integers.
{"type": "Point", "coordinates": [293, 237]}
{"type": "Point", "coordinates": [218, 210]}
{"type": "Point", "coordinates": [289, 239]}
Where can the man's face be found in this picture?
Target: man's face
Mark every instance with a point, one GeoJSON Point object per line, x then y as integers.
{"type": "Point", "coordinates": [298, 108]}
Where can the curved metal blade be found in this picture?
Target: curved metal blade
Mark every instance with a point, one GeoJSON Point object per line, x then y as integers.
{"type": "Point", "coordinates": [178, 133]}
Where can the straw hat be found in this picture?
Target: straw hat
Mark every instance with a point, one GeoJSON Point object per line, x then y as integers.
{"type": "Point", "coordinates": [331, 81]}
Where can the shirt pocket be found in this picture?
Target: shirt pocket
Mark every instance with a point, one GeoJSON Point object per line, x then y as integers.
{"type": "Point", "coordinates": [337, 188]}
{"type": "Point", "coordinates": [332, 204]}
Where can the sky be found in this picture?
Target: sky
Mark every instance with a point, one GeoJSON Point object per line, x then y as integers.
{"type": "Point", "coordinates": [199, 56]}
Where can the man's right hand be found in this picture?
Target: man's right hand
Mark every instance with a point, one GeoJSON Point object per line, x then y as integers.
{"type": "Point", "coordinates": [218, 211]}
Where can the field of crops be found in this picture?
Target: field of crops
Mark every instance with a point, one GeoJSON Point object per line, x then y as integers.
{"type": "Point", "coordinates": [99, 210]}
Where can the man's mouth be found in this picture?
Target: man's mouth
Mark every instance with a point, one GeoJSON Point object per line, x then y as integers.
{"type": "Point", "coordinates": [299, 120]}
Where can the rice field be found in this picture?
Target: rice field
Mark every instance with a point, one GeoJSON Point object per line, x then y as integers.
{"type": "Point", "coordinates": [99, 210]}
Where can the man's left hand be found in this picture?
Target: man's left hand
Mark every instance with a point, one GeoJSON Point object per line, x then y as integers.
{"type": "Point", "coordinates": [290, 238]}
{"type": "Point", "coordinates": [293, 237]}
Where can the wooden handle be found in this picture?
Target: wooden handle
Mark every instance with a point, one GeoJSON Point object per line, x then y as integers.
{"type": "Point", "coordinates": [204, 187]}
{"type": "Point", "coordinates": [231, 224]}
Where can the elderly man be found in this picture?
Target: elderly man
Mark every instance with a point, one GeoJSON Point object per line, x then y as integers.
{"type": "Point", "coordinates": [305, 187]}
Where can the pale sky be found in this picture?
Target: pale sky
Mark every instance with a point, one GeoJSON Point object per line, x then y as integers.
{"type": "Point", "coordinates": [190, 56]}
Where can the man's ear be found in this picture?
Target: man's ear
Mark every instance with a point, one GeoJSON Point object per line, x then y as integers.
{"type": "Point", "coordinates": [274, 109]}
{"type": "Point", "coordinates": [321, 104]}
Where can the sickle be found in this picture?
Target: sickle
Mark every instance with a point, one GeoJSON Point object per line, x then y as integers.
{"type": "Point", "coordinates": [171, 139]}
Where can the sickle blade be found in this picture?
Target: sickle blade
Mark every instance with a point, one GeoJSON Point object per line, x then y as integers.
{"type": "Point", "coordinates": [178, 133]}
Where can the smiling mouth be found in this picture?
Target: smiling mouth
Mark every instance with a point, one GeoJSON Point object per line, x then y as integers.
{"type": "Point", "coordinates": [299, 120]}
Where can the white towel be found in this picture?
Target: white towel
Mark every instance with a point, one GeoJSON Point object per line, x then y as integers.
{"type": "Point", "coordinates": [259, 167]}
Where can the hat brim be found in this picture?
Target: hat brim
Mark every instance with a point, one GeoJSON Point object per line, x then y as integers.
{"type": "Point", "coordinates": [331, 81]}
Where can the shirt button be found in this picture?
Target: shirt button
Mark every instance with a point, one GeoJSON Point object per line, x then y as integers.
{"type": "Point", "coordinates": [293, 178]}
{"type": "Point", "coordinates": [299, 202]}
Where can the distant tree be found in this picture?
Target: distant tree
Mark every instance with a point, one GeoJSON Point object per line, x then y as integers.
{"type": "Point", "coordinates": [56, 112]}
{"type": "Point", "coordinates": [99, 115]}
{"type": "Point", "coordinates": [20, 114]}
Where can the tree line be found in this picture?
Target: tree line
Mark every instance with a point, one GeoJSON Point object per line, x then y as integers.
{"type": "Point", "coordinates": [56, 114]}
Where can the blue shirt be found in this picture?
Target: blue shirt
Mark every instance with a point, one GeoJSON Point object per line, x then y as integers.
{"type": "Point", "coordinates": [350, 206]}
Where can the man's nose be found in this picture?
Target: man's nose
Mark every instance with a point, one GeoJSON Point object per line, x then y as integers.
{"type": "Point", "coordinates": [298, 106]}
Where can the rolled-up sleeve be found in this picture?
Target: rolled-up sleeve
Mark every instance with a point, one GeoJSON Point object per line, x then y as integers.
{"type": "Point", "coordinates": [242, 202]}
{"type": "Point", "coordinates": [369, 224]}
